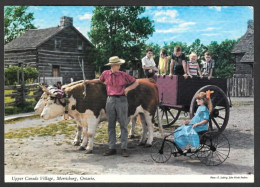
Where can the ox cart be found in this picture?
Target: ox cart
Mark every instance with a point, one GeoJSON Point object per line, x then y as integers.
{"type": "Point", "coordinates": [177, 94]}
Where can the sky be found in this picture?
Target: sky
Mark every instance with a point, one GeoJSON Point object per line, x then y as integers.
{"type": "Point", "coordinates": [172, 23]}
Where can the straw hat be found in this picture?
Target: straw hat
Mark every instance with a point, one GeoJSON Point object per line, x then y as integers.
{"type": "Point", "coordinates": [115, 60]}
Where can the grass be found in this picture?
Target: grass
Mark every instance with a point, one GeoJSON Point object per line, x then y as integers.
{"type": "Point", "coordinates": [53, 129]}
{"type": "Point", "coordinates": [66, 127]}
{"type": "Point", "coordinates": [9, 99]}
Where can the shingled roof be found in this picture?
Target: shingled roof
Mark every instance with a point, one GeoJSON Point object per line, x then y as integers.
{"type": "Point", "coordinates": [32, 38]}
{"type": "Point", "coordinates": [246, 44]}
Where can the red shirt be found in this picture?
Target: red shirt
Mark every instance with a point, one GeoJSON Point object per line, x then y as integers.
{"type": "Point", "coordinates": [116, 82]}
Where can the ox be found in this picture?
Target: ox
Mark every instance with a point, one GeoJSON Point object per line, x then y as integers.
{"type": "Point", "coordinates": [51, 90]}
{"type": "Point", "coordinates": [89, 109]}
{"type": "Point", "coordinates": [43, 100]}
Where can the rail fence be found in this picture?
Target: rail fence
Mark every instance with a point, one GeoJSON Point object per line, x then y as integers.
{"type": "Point", "coordinates": [16, 94]}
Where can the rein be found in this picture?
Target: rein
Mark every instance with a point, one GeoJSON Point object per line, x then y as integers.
{"type": "Point", "coordinates": [64, 104]}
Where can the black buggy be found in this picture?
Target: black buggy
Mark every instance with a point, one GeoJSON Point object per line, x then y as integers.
{"type": "Point", "coordinates": [177, 94]}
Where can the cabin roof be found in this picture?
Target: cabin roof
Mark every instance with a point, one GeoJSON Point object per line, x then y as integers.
{"type": "Point", "coordinates": [33, 38]}
{"type": "Point", "coordinates": [245, 45]}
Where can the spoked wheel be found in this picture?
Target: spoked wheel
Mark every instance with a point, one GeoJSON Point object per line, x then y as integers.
{"type": "Point", "coordinates": [214, 148]}
{"type": "Point", "coordinates": [218, 118]}
{"type": "Point", "coordinates": [161, 151]}
{"type": "Point", "coordinates": [168, 116]}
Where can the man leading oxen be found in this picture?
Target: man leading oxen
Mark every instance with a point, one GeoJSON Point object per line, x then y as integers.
{"type": "Point", "coordinates": [87, 104]}
{"type": "Point", "coordinates": [117, 104]}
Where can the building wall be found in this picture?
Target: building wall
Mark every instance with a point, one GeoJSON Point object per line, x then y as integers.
{"type": "Point", "coordinates": [244, 68]}
{"type": "Point", "coordinates": [68, 63]}
{"type": "Point", "coordinates": [69, 41]}
{"type": "Point", "coordinates": [66, 56]}
{"type": "Point", "coordinates": [12, 58]}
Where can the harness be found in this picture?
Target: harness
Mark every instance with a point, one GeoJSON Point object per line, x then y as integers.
{"type": "Point", "coordinates": [65, 104]}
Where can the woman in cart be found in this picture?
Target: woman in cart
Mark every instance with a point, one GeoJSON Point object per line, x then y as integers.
{"type": "Point", "coordinates": [187, 134]}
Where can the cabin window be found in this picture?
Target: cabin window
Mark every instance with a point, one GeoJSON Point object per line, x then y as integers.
{"type": "Point", "coordinates": [57, 44]}
{"type": "Point", "coordinates": [80, 46]}
{"type": "Point", "coordinates": [55, 71]}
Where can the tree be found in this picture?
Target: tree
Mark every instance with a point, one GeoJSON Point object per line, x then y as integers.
{"type": "Point", "coordinates": [119, 31]}
{"type": "Point", "coordinates": [16, 22]}
{"type": "Point", "coordinates": [224, 60]}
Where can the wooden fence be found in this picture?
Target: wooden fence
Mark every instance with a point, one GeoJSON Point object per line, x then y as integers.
{"type": "Point", "coordinates": [30, 93]}
{"type": "Point", "coordinates": [240, 87]}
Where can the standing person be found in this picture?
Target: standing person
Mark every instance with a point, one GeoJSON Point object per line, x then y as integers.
{"type": "Point", "coordinates": [208, 66]}
{"type": "Point", "coordinates": [148, 64]}
{"type": "Point", "coordinates": [178, 62]}
{"type": "Point", "coordinates": [193, 67]}
{"type": "Point", "coordinates": [117, 104]}
{"type": "Point", "coordinates": [163, 62]}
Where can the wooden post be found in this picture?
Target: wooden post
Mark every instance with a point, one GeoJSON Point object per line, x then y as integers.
{"type": "Point", "coordinates": [23, 86]}
{"type": "Point", "coordinates": [18, 76]}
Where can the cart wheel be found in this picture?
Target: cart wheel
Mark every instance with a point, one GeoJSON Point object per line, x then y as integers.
{"type": "Point", "coordinates": [218, 118]}
{"type": "Point", "coordinates": [214, 148]}
{"type": "Point", "coordinates": [168, 116]}
{"type": "Point", "coordinates": [161, 151]}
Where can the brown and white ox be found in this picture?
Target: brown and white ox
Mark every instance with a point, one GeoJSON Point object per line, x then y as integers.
{"type": "Point", "coordinates": [89, 110]}
{"type": "Point", "coordinates": [77, 140]}
{"type": "Point", "coordinates": [43, 100]}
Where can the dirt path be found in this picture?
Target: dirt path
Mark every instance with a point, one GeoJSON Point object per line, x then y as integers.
{"type": "Point", "coordinates": [54, 155]}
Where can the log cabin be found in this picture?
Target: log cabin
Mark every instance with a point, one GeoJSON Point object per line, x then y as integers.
{"type": "Point", "coordinates": [55, 52]}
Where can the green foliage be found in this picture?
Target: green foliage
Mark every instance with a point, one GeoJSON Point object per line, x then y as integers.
{"type": "Point", "coordinates": [119, 31]}
{"type": "Point", "coordinates": [11, 75]}
{"type": "Point", "coordinates": [16, 22]}
{"type": "Point", "coordinates": [224, 60]}
{"type": "Point", "coordinates": [30, 74]}
{"type": "Point", "coordinates": [23, 108]}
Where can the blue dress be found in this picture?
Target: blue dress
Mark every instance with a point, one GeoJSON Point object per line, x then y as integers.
{"type": "Point", "coordinates": [185, 134]}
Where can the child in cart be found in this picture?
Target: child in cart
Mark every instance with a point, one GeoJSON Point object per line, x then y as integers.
{"type": "Point", "coordinates": [187, 134]}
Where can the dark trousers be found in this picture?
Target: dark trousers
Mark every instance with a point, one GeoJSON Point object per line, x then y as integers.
{"type": "Point", "coordinates": [117, 109]}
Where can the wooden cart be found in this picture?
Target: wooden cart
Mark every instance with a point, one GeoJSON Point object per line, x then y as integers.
{"type": "Point", "coordinates": [177, 94]}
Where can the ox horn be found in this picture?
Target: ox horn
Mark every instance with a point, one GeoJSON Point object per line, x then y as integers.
{"type": "Point", "coordinates": [46, 90]}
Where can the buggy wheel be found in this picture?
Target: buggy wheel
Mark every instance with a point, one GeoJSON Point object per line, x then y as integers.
{"type": "Point", "coordinates": [214, 148]}
{"type": "Point", "coordinates": [168, 116]}
{"type": "Point", "coordinates": [161, 151]}
{"type": "Point", "coordinates": [218, 118]}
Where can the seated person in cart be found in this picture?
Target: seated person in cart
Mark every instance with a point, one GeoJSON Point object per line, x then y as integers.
{"type": "Point", "coordinates": [148, 64]}
{"type": "Point", "coordinates": [178, 63]}
{"type": "Point", "coordinates": [187, 134]}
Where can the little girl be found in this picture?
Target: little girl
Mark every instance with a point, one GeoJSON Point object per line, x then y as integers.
{"type": "Point", "coordinates": [163, 62]}
{"type": "Point", "coordinates": [193, 67]}
{"type": "Point", "coordinates": [187, 133]}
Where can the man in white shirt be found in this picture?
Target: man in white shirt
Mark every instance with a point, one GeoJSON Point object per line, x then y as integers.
{"type": "Point", "coordinates": [148, 64]}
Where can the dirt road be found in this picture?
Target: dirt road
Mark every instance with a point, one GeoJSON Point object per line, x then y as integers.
{"type": "Point", "coordinates": [52, 155]}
